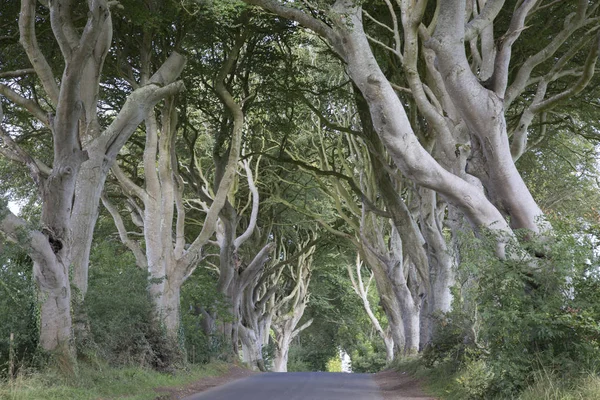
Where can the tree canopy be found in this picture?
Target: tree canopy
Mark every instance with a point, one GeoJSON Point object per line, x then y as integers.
{"type": "Point", "coordinates": [288, 180]}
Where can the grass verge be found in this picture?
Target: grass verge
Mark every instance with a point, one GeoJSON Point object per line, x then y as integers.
{"type": "Point", "coordinates": [442, 382]}
{"type": "Point", "coordinates": [103, 382]}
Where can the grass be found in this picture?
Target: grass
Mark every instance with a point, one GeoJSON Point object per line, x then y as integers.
{"type": "Point", "coordinates": [442, 382]}
{"type": "Point", "coordinates": [102, 382]}
{"type": "Point", "coordinates": [549, 388]}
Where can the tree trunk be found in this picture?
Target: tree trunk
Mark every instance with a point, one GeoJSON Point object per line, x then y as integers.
{"type": "Point", "coordinates": [441, 262]}
{"type": "Point", "coordinates": [389, 303]}
{"type": "Point", "coordinates": [410, 321]}
{"type": "Point", "coordinates": [55, 310]}
{"type": "Point", "coordinates": [168, 307]}
{"type": "Point", "coordinates": [89, 187]}
{"type": "Point", "coordinates": [252, 349]}
{"type": "Point", "coordinates": [281, 360]}
{"type": "Point", "coordinates": [389, 348]}
{"type": "Point", "coordinates": [282, 352]}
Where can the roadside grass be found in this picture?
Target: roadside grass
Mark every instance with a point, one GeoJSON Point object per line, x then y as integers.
{"type": "Point", "coordinates": [95, 382]}
{"type": "Point", "coordinates": [548, 387]}
{"type": "Point", "coordinates": [439, 382]}
{"type": "Point", "coordinates": [443, 383]}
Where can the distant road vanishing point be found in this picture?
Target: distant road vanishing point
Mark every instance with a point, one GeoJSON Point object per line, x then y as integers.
{"type": "Point", "coordinates": [296, 386]}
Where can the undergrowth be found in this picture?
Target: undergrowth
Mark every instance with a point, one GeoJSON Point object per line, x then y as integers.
{"type": "Point", "coordinates": [523, 327]}
{"type": "Point", "coordinates": [101, 381]}
{"type": "Point", "coordinates": [445, 383]}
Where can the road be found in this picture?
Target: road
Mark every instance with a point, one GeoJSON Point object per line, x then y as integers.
{"type": "Point", "coordinates": [296, 386]}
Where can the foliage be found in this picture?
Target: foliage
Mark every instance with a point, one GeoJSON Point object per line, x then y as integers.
{"type": "Point", "coordinates": [512, 318]}
{"type": "Point", "coordinates": [334, 364]}
{"type": "Point", "coordinates": [368, 356]}
{"type": "Point", "coordinates": [298, 360]}
{"type": "Point", "coordinates": [17, 308]}
{"type": "Point", "coordinates": [201, 291]}
{"type": "Point", "coordinates": [103, 381]}
{"type": "Point", "coordinates": [120, 311]}
{"type": "Point", "coordinates": [339, 318]}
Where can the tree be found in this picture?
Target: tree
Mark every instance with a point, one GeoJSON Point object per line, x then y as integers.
{"type": "Point", "coordinates": [84, 151]}
{"type": "Point", "coordinates": [170, 263]}
{"type": "Point", "coordinates": [290, 304]}
{"type": "Point", "coordinates": [463, 106]}
{"type": "Point", "coordinates": [362, 291]}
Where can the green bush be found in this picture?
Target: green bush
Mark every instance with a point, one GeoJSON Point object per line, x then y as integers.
{"type": "Point", "coordinates": [475, 379]}
{"type": "Point", "coordinates": [200, 291]}
{"type": "Point", "coordinates": [368, 357]}
{"type": "Point", "coordinates": [120, 313]}
{"type": "Point", "coordinates": [535, 310]}
{"type": "Point", "coordinates": [18, 309]}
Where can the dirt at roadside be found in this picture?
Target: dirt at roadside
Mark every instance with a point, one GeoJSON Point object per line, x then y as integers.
{"type": "Point", "coordinates": [176, 393]}
{"type": "Point", "coordinates": [395, 385]}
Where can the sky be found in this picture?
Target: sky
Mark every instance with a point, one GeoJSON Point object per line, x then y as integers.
{"type": "Point", "coordinates": [15, 207]}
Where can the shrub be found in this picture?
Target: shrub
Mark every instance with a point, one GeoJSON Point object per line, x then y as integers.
{"type": "Point", "coordinates": [512, 318]}
{"type": "Point", "coordinates": [121, 315]}
{"type": "Point", "coordinates": [18, 309]}
{"type": "Point", "coordinates": [368, 357]}
{"type": "Point", "coordinates": [475, 380]}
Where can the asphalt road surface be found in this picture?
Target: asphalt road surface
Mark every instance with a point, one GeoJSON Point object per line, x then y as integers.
{"type": "Point", "coordinates": [296, 386]}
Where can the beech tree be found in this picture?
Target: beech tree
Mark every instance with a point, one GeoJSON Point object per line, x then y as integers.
{"type": "Point", "coordinates": [171, 261]}
{"type": "Point", "coordinates": [464, 95]}
{"type": "Point", "coordinates": [362, 291]}
{"type": "Point", "coordinates": [289, 304]}
{"type": "Point", "coordinates": [84, 151]}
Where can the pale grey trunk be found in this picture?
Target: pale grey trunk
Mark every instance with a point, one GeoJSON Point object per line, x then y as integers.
{"type": "Point", "coordinates": [441, 262]}
{"type": "Point", "coordinates": [90, 184]}
{"type": "Point", "coordinates": [252, 349]}
{"type": "Point", "coordinates": [388, 341]}
{"type": "Point", "coordinates": [227, 269]}
{"type": "Point", "coordinates": [410, 320]}
{"type": "Point", "coordinates": [280, 362]}
{"type": "Point", "coordinates": [389, 303]}
{"type": "Point", "coordinates": [169, 308]}
{"type": "Point", "coordinates": [55, 308]}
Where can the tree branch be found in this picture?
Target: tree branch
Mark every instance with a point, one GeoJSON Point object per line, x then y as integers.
{"type": "Point", "coordinates": [127, 184]}
{"type": "Point", "coordinates": [490, 11]}
{"type": "Point", "coordinates": [140, 102]}
{"type": "Point", "coordinates": [39, 171]}
{"type": "Point", "coordinates": [29, 42]}
{"type": "Point", "coordinates": [501, 64]}
{"type": "Point", "coordinates": [140, 258]}
{"type": "Point", "coordinates": [319, 27]}
{"type": "Point", "coordinates": [255, 203]}
{"type": "Point", "coordinates": [573, 22]}
{"type": "Point", "coordinates": [255, 266]}
{"type": "Point", "coordinates": [17, 73]}
{"type": "Point", "coordinates": [27, 104]}
{"type": "Point", "coordinates": [33, 241]}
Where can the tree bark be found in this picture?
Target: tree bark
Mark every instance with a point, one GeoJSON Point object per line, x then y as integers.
{"type": "Point", "coordinates": [83, 153]}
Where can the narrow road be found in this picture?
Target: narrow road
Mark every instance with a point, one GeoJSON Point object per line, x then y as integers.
{"type": "Point", "coordinates": [296, 386]}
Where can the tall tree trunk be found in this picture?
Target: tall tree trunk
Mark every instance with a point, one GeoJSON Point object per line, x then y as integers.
{"type": "Point", "coordinates": [363, 292]}
{"type": "Point", "coordinates": [169, 307]}
{"type": "Point", "coordinates": [55, 311]}
{"type": "Point", "coordinates": [389, 301]}
{"type": "Point", "coordinates": [280, 362]}
{"type": "Point", "coordinates": [252, 349]}
{"type": "Point", "coordinates": [411, 321]}
{"type": "Point", "coordinates": [441, 262]}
